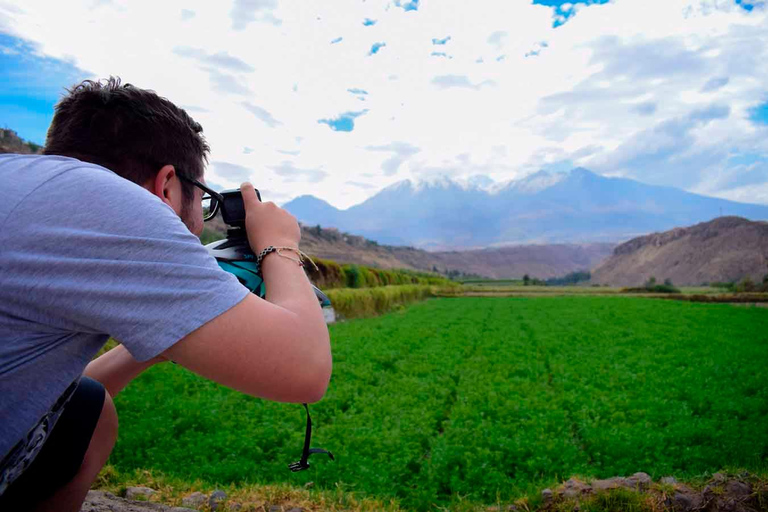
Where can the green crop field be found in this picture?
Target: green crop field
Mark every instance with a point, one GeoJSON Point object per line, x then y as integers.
{"type": "Point", "coordinates": [482, 400]}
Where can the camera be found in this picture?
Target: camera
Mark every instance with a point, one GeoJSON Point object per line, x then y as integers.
{"type": "Point", "coordinates": [233, 209]}
{"type": "Point", "coordinates": [234, 253]}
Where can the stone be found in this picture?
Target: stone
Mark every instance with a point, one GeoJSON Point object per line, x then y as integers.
{"type": "Point", "coordinates": [547, 495]}
{"type": "Point", "coordinates": [719, 478]}
{"type": "Point", "coordinates": [669, 480]}
{"type": "Point", "coordinates": [136, 493]}
{"type": "Point", "coordinates": [737, 489]}
{"type": "Point", "coordinates": [235, 507]}
{"type": "Point", "coordinates": [574, 487]}
{"type": "Point", "coordinates": [639, 481]}
{"type": "Point", "coordinates": [296, 509]}
{"type": "Point", "coordinates": [182, 509]}
{"type": "Point", "coordinates": [571, 493]}
{"type": "Point", "coordinates": [216, 498]}
{"type": "Point", "coordinates": [309, 485]}
{"type": "Point", "coordinates": [100, 501]}
{"type": "Point", "coordinates": [194, 500]}
{"type": "Point", "coordinates": [275, 508]}
{"type": "Point", "coordinates": [687, 500]}
{"type": "Point", "coordinates": [610, 483]}
{"type": "Point", "coordinates": [682, 501]}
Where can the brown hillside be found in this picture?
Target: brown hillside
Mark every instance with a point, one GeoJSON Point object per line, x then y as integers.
{"type": "Point", "coordinates": [725, 249]}
{"type": "Point", "coordinates": [542, 261]}
{"type": "Point", "coordinates": [10, 142]}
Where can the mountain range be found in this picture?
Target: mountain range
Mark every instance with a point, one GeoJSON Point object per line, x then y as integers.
{"type": "Point", "coordinates": [543, 208]}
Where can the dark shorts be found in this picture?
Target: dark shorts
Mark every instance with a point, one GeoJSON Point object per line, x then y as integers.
{"type": "Point", "coordinates": [61, 456]}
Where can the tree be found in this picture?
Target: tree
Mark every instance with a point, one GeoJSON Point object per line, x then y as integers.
{"type": "Point", "coordinates": [526, 280]}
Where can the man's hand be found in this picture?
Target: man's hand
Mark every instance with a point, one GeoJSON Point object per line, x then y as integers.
{"type": "Point", "coordinates": [268, 224]}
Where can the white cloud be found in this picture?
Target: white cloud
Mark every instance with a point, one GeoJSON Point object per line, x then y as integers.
{"type": "Point", "coordinates": [603, 90]}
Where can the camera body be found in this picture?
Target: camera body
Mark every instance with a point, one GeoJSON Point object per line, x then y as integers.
{"type": "Point", "coordinates": [233, 209]}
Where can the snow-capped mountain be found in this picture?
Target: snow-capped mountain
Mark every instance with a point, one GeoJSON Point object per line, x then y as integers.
{"type": "Point", "coordinates": [579, 206]}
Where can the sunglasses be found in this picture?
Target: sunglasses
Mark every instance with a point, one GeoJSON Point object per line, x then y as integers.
{"type": "Point", "coordinates": [212, 200]}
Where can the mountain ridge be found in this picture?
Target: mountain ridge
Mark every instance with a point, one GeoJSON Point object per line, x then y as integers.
{"type": "Point", "coordinates": [544, 208]}
{"type": "Point", "coordinates": [726, 249]}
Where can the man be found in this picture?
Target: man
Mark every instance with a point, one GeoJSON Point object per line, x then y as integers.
{"type": "Point", "coordinates": [97, 239]}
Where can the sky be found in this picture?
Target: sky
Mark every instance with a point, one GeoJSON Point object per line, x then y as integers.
{"type": "Point", "coordinates": [340, 99]}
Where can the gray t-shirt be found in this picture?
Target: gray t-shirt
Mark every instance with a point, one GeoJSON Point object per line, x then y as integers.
{"type": "Point", "coordinates": [84, 255]}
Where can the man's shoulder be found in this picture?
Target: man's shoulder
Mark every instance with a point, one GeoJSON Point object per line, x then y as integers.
{"type": "Point", "coordinates": [22, 174]}
{"type": "Point", "coordinates": [44, 181]}
{"type": "Point", "coordinates": [40, 167]}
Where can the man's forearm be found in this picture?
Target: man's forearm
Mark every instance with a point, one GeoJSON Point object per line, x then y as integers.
{"type": "Point", "coordinates": [116, 368]}
{"type": "Point", "coordinates": [288, 286]}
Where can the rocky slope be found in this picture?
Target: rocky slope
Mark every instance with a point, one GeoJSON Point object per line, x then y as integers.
{"type": "Point", "coordinates": [542, 261]}
{"type": "Point", "coordinates": [10, 142]}
{"type": "Point", "coordinates": [726, 249]}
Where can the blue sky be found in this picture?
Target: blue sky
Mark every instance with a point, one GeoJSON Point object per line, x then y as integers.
{"type": "Point", "coordinates": [565, 10]}
{"type": "Point", "coordinates": [342, 101]}
{"type": "Point", "coordinates": [759, 114]}
{"type": "Point", "coordinates": [32, 84]}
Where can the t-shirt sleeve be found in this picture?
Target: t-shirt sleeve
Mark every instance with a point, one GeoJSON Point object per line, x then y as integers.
{"type": "Point", "coordinates": [89, 251]}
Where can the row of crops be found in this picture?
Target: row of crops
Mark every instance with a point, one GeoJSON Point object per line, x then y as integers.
{"type": "Point", "coordinates": [482, 399]}
{"type": "Point", "coordinates": [330, 274]}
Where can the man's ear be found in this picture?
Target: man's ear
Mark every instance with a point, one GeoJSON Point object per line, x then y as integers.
{"type": "Point", "coordinates": [167, 187]}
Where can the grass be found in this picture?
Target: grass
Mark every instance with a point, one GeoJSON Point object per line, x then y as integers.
{"type": "Point", "coordinates": [461, 402]}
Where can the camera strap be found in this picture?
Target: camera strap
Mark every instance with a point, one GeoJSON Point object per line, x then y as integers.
{"type": "Point", "coordinates": [303, 464]}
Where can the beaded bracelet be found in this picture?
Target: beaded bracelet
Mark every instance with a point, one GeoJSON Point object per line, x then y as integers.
{"type": "Point", "coordinates": [272, 248]}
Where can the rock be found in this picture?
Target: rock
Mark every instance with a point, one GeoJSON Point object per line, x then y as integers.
{"type": "Point", "coordinates": [547, 495]}
{"type": "Point", "coordinates": [100, 501]}
{"type": "Point", "coordinates": [135, 493]}
{"type": "Point", "coordinates": [610, 483]}
{"type": "Point", "coordinates": [639, 481]}
{"type": "Point", "coordinates": [309, 485]}
{"type": "Point", "coordinates": [235, 507]}
{"type": "Point", "coordinates": [571, 493]}
{"type": "Point", "coordinates": [682, 501]}
{"type": "Point", "coordinates": [669, 480]}
{"type": "Point", "coordinates": [736, 489]}
{"type": "Point", "coordinates": [194, 500]}
{"type": "Point", "coordinates": [719, 478]}
{"type": "Point", "coordinates": [573, 488]}
{"type": "Point", "coordinates": [296, 509]}
{"type": "Point", "coordinates": [687, 500]}
{"type": "Point", "coordinates": [275, 508]}
{"type": "Point", "coordinates": [181, 509]}
{"type": "Point", "coordinates": [216, 498]}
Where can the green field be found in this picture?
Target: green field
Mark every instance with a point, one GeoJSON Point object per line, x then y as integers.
{"type": "Point", "coordinates": [482, 400]}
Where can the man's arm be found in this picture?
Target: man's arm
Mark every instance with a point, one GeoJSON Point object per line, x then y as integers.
{"type": "Point", "coordinates": [116, 368]}
{"type": "Point", "coordinates": [277, 348]}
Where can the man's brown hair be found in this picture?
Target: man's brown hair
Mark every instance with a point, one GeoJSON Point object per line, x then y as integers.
{"type": "Point", "coordinates": [131, 131]}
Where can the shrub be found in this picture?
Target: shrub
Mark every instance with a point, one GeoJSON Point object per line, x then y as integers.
{"type": "Point", "coordinates": [745, 285]}
{"type": "Point", "coordinates": [332, 275]}
{"type": "Point", "coordinates": [329, 274]}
